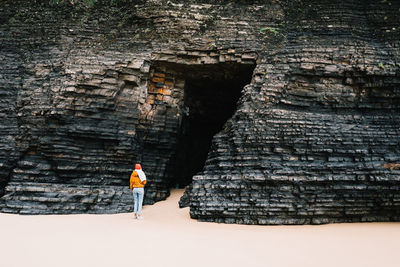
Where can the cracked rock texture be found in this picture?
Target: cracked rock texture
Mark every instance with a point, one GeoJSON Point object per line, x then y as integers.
{"type": "Point", "coordinates": [314, 135]}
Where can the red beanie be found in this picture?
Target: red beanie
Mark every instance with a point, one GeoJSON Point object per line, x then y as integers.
{"type": "Point", "coordinates": [138, 167]}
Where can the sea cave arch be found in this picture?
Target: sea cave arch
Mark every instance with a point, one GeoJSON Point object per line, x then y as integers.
{"type": "Point", "coordinates": [209, 97]}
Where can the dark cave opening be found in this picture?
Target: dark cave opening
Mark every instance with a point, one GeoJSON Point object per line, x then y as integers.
{"type": "Point", "coordinates": [211, 93]}
{"type": "Point", "coordinates": [2, 188]}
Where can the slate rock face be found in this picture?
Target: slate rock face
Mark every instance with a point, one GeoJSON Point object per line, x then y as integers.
{"type": "Point", "coordinates": [293, 105]}
{"type": "Point", "coordinates": [313, 132]}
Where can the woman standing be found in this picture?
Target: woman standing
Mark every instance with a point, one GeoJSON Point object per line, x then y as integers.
{"type": "Point", "coordinates": [138, 181]}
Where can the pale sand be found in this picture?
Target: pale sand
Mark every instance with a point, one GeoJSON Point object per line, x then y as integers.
{"type": "Point", "coordinates": [168, 237]}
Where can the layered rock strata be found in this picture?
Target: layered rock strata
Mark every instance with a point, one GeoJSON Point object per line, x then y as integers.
{"type": "Point", "coordinates": [314, 133]}
{"type": "Point", "coordinates": [91, 91]}
{"type": "Point", "coordinates": [313, 138]}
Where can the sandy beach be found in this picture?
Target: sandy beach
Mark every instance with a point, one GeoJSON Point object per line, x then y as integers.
{"type": "Point", "coordinates": [168, 237]}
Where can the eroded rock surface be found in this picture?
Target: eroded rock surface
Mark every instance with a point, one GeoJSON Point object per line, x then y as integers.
{"type": "Point", "coordinates": [87, 92]}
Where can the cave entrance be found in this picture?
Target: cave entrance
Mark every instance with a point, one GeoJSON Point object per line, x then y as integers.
{"type": "Point", "coordinates": [211, 93]}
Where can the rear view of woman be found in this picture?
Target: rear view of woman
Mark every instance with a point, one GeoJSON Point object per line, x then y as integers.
{"type": "Point", "coordinates": [137, 183]}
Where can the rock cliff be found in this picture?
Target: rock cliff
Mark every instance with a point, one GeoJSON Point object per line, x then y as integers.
{"type": "Point", "coordinates": [276, 112]}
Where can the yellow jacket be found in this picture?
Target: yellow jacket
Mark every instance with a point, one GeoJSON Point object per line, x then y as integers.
{"type": "Point", "coordinates": [135, 181]}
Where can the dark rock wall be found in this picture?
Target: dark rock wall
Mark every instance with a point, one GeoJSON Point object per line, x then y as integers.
{"type": "Point", "coordinates": [9, 86]}
{"type": "Point", "coordinates": [313, 132]}
{"type": "Point", "coordinates": [91, 91]}
{"type": "Point", "coordinates": [87, 92]}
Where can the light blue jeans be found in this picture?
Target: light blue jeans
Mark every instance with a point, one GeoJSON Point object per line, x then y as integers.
{"type": "Point", "coordinates": [138, 194]}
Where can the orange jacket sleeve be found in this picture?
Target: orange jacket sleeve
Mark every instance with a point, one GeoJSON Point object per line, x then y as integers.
{"type": "Point", "coordinates": [131, 182]}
